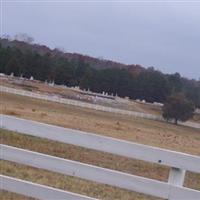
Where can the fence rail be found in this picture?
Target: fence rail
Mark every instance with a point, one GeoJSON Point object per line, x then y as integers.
{"type": "Point", "coordinates": [37, 191]}
{"type": "Point", "coordinates": [172, 190]}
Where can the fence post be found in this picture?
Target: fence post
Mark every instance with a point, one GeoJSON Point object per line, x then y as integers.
{"type": "Point", "coordinates": [176, 177]}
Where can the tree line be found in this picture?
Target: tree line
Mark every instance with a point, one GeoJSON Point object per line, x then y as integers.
{"type": "Point", "coordinates": [150, 85]}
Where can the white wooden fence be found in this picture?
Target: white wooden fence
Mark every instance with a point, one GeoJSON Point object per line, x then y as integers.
{"type": "Point", "coordinates": [172, 190]}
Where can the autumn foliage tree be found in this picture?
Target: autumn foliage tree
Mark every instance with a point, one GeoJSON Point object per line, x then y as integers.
{"type": "Point", "coordinates": [178, 108]}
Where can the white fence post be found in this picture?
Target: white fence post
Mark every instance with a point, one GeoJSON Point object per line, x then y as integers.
{"type": "Point", "coordinates": [176, 178]}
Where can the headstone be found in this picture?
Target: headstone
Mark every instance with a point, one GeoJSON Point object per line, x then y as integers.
{"type": "Point", "coordinates": [52, 83]}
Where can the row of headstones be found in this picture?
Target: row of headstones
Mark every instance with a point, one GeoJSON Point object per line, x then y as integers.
{"type": "Point", "coordinates": [155, 103]}
{"type": "Point", "coordinates": [52, 83]}
{"type": "Point", "coordinates": [103, 93]}
{"type": "Point", "coordinates": [88, 90]}
{"type": "Point", "coordinates": [31, 78]}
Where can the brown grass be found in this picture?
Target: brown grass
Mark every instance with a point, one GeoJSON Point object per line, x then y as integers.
{"type": "Point", "coordinates": [12, 196]}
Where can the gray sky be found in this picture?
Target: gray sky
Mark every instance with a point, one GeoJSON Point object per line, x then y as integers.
{"type": "Point", "coordinates": [162, 34]}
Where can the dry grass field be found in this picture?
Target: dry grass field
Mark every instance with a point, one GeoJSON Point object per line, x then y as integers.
{"type": "Point", "coordinates": [143, 131]}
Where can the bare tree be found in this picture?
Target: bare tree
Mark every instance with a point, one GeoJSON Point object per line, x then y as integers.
{"type": "Point", "coordinates": [6, 36]}
{"type": "Point", "coordinates": [24, 37]}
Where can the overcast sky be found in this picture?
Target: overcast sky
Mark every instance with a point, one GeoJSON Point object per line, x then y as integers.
{"type": "Point", "coordinates": [162, 34]}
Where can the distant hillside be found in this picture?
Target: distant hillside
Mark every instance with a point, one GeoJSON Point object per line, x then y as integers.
{"type": "Point", "coordinates": [133, 81]}
{"type": "Point", "coordinates": [93, 62]}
